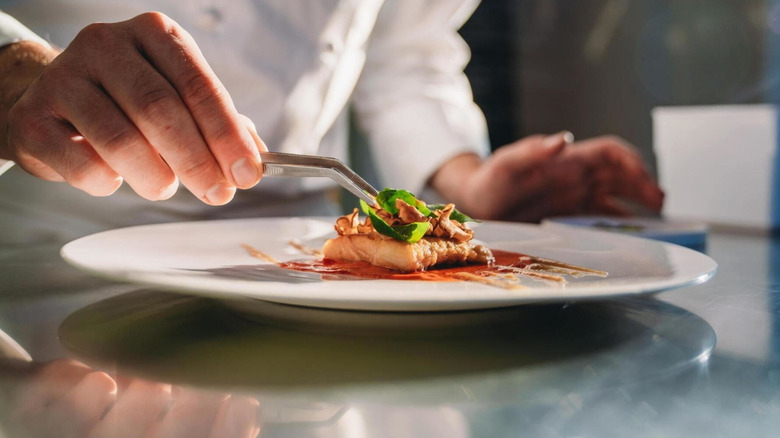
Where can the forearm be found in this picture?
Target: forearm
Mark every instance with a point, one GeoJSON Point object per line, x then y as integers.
{"type": "Point", "coordinates": [20, 64]}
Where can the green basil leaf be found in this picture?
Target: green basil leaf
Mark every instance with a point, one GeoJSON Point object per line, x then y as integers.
{"type": "Point", "coordinates": [455, 215]}
{"type": "Point", "coordinates": [386, 199]}
{"type": "Point", "coordinates": [461, 217]}
{"type": "Point", "coordinates": [383, 199]}
{"type": "Point", "coordinates": [364, 207]}
{"type": "Point", "coordinates": [413, 232]}
{"type": "Point", "coordinates": [409, 233]}
{"type": "Point", "coordinates": [383, 227]}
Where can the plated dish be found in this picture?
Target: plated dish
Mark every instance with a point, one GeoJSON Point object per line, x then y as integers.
{"type": "Point", "coordinates": [210, 258]}
{"type": "Point", "coordinates": [403, 233]}
{"type": "Point", "coordinates": [403, 238]}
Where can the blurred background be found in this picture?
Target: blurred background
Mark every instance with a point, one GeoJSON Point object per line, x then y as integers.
{"type": "Point", "coordinates": [600, 66]}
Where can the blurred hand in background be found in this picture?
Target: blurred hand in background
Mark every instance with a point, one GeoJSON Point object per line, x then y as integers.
{"type": "Point", "coordinates": [544, 176]}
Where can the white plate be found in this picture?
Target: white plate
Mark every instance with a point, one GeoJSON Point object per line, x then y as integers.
{"type": "Point", "coordinates": [207, 258]}
{"type": "Point", "coordinates": [10, 349]}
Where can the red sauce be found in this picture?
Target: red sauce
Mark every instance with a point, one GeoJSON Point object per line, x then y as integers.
{"type": "Point", "coordinates": [330, 267]}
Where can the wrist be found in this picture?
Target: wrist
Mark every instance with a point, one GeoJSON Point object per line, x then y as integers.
{"type": "Point", "coordinates": [20, 64]}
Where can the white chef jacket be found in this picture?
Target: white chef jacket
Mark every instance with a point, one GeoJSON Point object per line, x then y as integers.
{"type": "Point", "coordinates": [293, 67]}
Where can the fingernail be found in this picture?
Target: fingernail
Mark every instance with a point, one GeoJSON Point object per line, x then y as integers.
{"type": "Point", "coordinates": [563, 137]}
{"type": "Point", "coordinates": [245, 173]}
{"type": "Point", "coordinates": [169, 191]}
{"type": "Point", "coordinates": [220, 194]}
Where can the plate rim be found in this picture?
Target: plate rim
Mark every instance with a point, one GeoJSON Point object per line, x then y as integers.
{"type": "Point", "coordinates": [273, 291]}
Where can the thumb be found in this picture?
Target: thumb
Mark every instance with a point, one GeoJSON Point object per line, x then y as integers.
{"type": "Point", "coordinates": [261, 147]}
{"type": "Point", "coordinates": [250, 126]}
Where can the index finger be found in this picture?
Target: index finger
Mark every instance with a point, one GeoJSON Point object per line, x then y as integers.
{"type": "Point", "coordinates": [177, 57]}
{"type": "Point", "coordinates": [523, 168]}
{"type": "Point", "coordinates": [531, 152]}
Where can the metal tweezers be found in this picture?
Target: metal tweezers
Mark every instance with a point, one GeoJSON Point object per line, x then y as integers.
{"type": "Point", "coordinates": [280, 164]}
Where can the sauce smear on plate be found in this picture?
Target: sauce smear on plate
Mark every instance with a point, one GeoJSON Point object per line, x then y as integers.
{"type": "Point", "coordinates": [325, 266]}
{"type": "Point", "coordinates": [506, 272]}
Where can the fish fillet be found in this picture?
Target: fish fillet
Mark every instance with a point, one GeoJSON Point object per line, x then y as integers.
{"type": "Point", "coordinates": [387, 252]}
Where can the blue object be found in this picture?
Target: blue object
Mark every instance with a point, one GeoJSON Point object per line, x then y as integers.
{"type": "Point", "coordinates": [688, 234]}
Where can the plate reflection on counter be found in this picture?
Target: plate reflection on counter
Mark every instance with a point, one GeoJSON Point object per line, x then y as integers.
{"type": "Point", "coordinates": [523, 354]}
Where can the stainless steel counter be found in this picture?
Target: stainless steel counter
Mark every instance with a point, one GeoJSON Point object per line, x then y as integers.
{"type": "Point", "coordinates": [697, 361]}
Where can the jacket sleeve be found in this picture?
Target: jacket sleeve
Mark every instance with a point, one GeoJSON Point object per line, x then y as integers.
{"type": "Point", "coordinates": [12, 31]}
{"type": "Point", "coordinates": [413, 99]}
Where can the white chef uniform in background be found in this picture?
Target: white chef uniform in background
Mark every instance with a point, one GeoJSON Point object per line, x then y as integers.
{"type": "Point", "coordinates": [292, 66]}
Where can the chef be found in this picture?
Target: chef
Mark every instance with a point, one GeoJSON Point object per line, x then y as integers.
{"type": "Point", "coordinates": [112, 99]}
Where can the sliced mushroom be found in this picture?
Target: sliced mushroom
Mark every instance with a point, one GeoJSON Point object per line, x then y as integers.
{"type": "Point", "coordinates": [407, 213]}
{"type": "Point", "coordinates": [348, 224]}
{"type": "Point", "coordinates": [365, 227]}
{"type": "Point", "coordinates": [450, 229]}
{"type": "Point", "coordinates": [387, 217]}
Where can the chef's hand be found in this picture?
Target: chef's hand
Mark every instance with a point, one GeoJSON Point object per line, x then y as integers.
{"type": "Point", "coordinates": [133, 101]}
{"type": "Point", "coordinates": [66, 398]}
{"type": "Point", "coordinates": [543, 176]}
